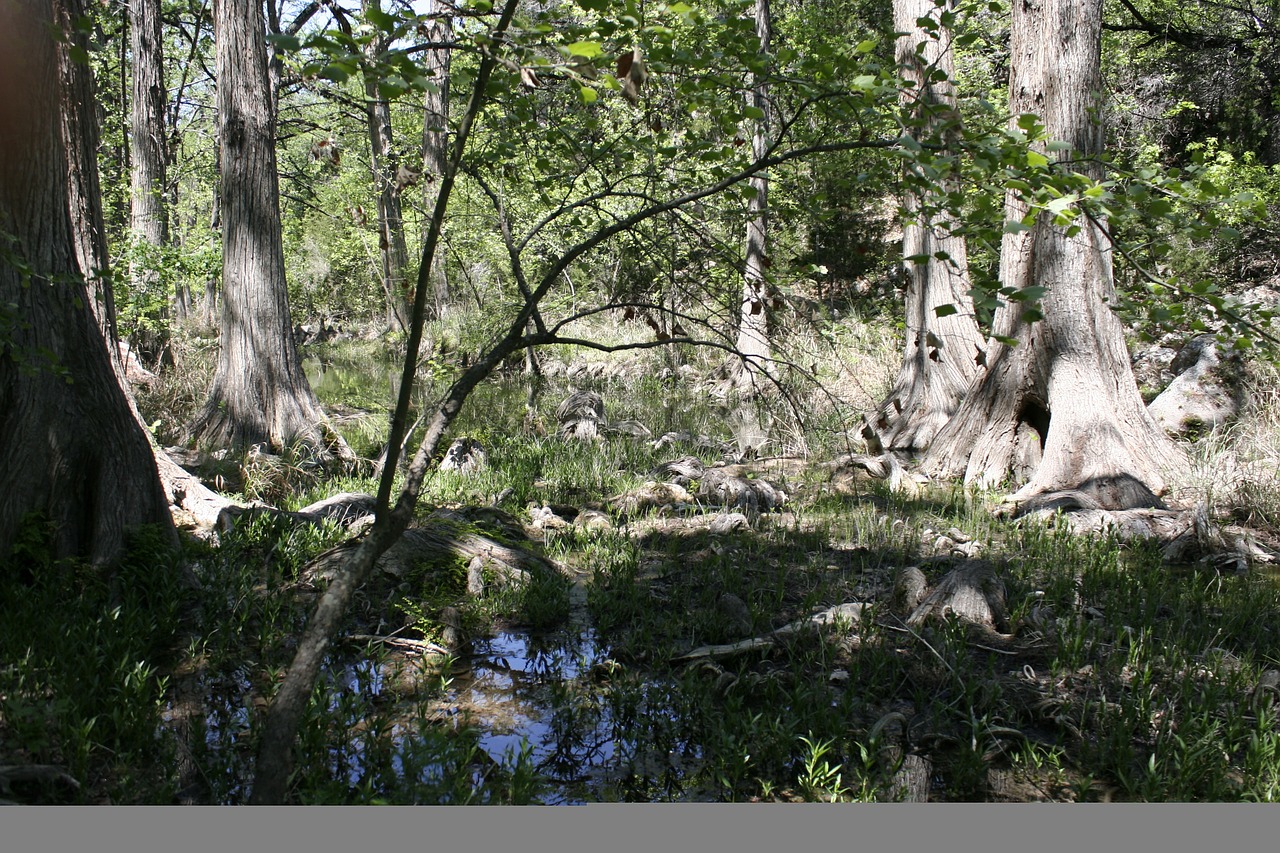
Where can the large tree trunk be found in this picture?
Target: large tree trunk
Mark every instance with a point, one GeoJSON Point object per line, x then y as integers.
{"type": "Point", "coordinates": [69, 448]}
{"type": "Point", "coordinates": [390, 182]}
{"type": "Point", "coordinates": [149, 218]}
{"type": "Point", "coordinates": [940, 357]}
{"type": "Point", "coordinates": [84, 194]}
{"type": "Point", "coordinates": [753, 323]}
{"type": "Point", "coordinates": [1062, 407]}
{"type": "Point", "coordinates": [435, 136]}
{"type": "Point", "coordinates": [260, 393]}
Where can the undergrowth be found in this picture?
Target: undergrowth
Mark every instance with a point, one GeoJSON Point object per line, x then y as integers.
{"type": "Point", "coordinates": [1125, 678]}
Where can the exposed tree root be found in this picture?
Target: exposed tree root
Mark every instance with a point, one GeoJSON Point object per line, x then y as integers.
{"type": "Point", "coordinates": [451, 533]}
{"type": "Point", "coordinates": [849, 613]}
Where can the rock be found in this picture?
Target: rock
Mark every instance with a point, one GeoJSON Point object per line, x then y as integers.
{"type": "Point", "coordinates": [727, 522]}
{"type": "Point", "coordinates": [593, 519]}
{"type": "Point", "coordinates": [652, 495]}
{"type": "Point", "coordinates": [723, 488]}
{"type": "Point", "coordinates": [551, 518]}
{"type": "Point", "coordinates": [1206, 393]}
{"type": "Point", "coordinates": [465, 455]}
{"type": "Point", "coordinates": [736, 614]}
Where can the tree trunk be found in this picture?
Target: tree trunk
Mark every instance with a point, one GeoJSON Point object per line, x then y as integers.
{"type": "Point", "coordinates": [84, 195]}
{"type": "Point", "coordinates": [1062, 407]}
{"type": "Point", "coordinates": [940, 357]}
{"type": "Point", "coordinates": [149, 218]}
{"type": "Point", "coordinates": [390, 181]}
{"type": "Point", "coordinates": [435, 136]}
{"type": "Point", "coordinates": [69, 448]}
{"type": "Point", "coordinates": [753, 325]}
{"type": "Point", "coordinates": [260, 393]}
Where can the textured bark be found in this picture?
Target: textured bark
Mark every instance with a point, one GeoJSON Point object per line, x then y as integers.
{"type": "Point", "coordinates": [260, 394]}
{"type": "Point", "coordinates": [940, 356]}
{"type": "Point", "coordinates": [753, 325]}
{"type": "Point", "coordinates": [84, 195]}
{"type": "Point", "coordinates": [1062, 407]}
{"type": "Point", "coordinates": [435, 137]}
{"type": "Point", "coordinates": [70, 449]}
{"type": "Point", "coordinates": [149, 217]}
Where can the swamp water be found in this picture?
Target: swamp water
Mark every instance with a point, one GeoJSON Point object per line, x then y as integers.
{"type": "Point", "coordinates": [519, 704]}
{"type": "Point", "coordinates": [541, 707]}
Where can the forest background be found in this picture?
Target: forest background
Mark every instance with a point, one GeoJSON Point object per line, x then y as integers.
{"type": "Point", "coordinates": [803, 222]}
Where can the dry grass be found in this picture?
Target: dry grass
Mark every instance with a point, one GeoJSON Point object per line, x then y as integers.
{"type": "Point", "coordinates": [1236, 467]}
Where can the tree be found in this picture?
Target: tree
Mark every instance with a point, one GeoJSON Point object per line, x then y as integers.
{"type": "Point", "coordinates": [84, 193]}
{"type": "Point", "coordinates": [149, 216]}
{"type": "Point", "coordinates": [753, 323]}
{"type": "Point", "coordinates": [70, 450]}
{"type": "Point", "coordinates": [259, 393]}
{"type": "Point", "coordinates": [390, 179]}
{"type": "Point", "coordinates": [1057, 402]}
{"type": "Point", "coordinates": [943, 342]}
{"type": "Point", "coordinates": [435, 131]}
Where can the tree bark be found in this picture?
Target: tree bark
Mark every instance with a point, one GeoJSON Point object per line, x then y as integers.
{"type": "Point", "coordinates": [259, 393]}
{"type": "Point", "coordinates": [940, 356]}
{"type": "Point", "coordinates": [753, 325]}
{"type": "Point", "coordinates": [385, 164]}
{"type": "Point", "coordinates": [84, 194]}
{"type": "Point", "coordinates": [1061, 408]}
{"type": "Point", "coordinates": [149, 217]}
{"type": "Point", "coordinates": [435, 136]}
{"type": "Point", "coordinates": [70, 449]}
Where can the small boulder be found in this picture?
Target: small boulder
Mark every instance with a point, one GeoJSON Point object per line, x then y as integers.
{"type": "Point", "coordinates": [1206, 393]}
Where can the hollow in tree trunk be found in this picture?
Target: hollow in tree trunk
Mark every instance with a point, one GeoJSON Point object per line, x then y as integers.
{"type": "Point", "coordinates": [941, 353]}
{"type": "Point", "coordinates": [259, 394]}
{"type": "Point", "coordinates": [1061, 409]}
{"type": "Point", "coordinates": [70, 450]}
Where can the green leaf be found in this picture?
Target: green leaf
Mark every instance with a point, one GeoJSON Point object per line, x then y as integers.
{"type": "Point", "coordinates": [864, 81]}
{"type": "Point", "coordinates": [589, 95]}
{"type": "Point", "coordinates": [334, 73]}
{"type": "Point", "coordinates": [1028, 121]}
{"type": "Point", "coordinates": [284, 43]}
{"type": "Point", "coordinates": [1014, 226]}
{"type": "Point", "coordinates": [866, 46]}
{"type": "Point", "coordinates": [585, 49]}
{"type": "Point", "coordinates": [946, 310]}
{"type": "Point", "coordinates": [1036, 160]}
{"type": "Point", "coordinates": [753, 113]}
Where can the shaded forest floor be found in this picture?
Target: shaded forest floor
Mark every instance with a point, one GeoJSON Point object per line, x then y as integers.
{"type": "Point", "coordinates": [684, 645]}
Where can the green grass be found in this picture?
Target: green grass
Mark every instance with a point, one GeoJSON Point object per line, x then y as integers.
{"type": "Point", "coordinates": [1128, 679]}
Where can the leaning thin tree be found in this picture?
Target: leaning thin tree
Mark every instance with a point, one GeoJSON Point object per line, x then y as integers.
{"type": "Point", "coordinates": [70, 450]}
{"type": "Point", "coordinates": [1061, 408]}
